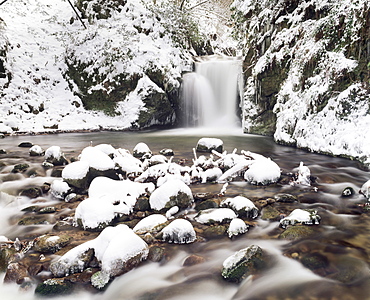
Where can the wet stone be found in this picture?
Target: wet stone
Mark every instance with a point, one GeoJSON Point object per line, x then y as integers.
{"type": "Point", "coordinates": [206, 204]}
{"type": "Point", "coordinates": [142, 204]}
{"type": "Point", "coordinates": [314, 261]}
{"type": "Point", "coordinates": [34, 220]}
{"type": "Point", "coordinates": [25, 145]}
{"type": "Point", "coordinates": [6, 255]}
{"type": "Point", "coordinates": [192, 260]}
{"type": "Point", "coordinates": [20, 168]}
{"type": "Point", "coordinates": [270, 213]}
{"type": "Point", "coordinates": [213, 232]}
{"type": "Point", "coordinates": [2, 151]}
{"type": "Point", "coordinates": [32, 192]}
{"type": "Point", "coordinates": [156, 253]}
{"type": "Point", "coordinates": [297, 232]}
{"type": "Point", "coordinates": [51, 243]}
{"type": "Point", "coordinates": [16, 273]}
{"type": "Point", "coordinates": [285, 198]}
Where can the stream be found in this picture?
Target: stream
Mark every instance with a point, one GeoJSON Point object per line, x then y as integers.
{"type": "Point", "coordinates": [342, 238]}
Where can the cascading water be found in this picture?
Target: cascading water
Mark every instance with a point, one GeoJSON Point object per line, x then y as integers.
{"type": "Point", "coordinates": [210, 94]}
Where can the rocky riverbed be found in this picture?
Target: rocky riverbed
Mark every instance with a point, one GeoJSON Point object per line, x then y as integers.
{"type": "Point", "coordinates": [107, 210]}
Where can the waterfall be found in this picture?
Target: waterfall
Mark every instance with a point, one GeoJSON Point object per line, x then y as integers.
{"type": "Point", "coordinates": [210, 94]}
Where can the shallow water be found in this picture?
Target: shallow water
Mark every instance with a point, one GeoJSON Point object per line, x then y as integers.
{"type": "Point", "coordinates": [342, 236]}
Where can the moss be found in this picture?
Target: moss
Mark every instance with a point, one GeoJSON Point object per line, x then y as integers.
{"type": "Point", "coordinates": [54, 287]}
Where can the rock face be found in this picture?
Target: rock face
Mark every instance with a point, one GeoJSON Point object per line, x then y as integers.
{"type": "Point", "coordinates": [243, 263]}
{"type": "Point", "coordinates": [305, 67]}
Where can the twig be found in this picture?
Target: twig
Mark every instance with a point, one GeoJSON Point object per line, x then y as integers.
{"type": "Point", "coordinates": [199, 4]}
{"type": "Point", "coordinates": [3, 2]}
{"type": "Point", "coordinates": [78, 16]}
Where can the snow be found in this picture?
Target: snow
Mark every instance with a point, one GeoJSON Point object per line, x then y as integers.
{"type": "Point", "coordinates": [36, 149]}
{"type": "Point", "coordinates": [148, 223]}
{"type": "Point", "coordinates": [308, 217]}
{"type": "Point", "coordinates": [161, 196]}
{"type": "Point", "coordinates": [212, 174]}
{"type": "Point", "coordinates": [304, 175]}
{"type": "Point", "coordinates": [142, 148]}
{"type": "Point", "coordinates": [237, 226]}
{"type": "Point", "coordinates": [119, 190]}
{"type": "Point", "coordinates": [212, 215]}
{"type": "Point", "coordinates": [76, 170]}
{"type": "Point", "coordinates": [179, 231]}
{"type": "Point", "coordinates": [99, 212]}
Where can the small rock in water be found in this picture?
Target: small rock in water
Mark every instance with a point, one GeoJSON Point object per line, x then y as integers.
{"type": "Point", "coordinates": [285, 198]}
{"type": "Point", "coordinates": [50, 243]}
{"type": "Point", "coordinates": [20, 168]}
{"type": "Point", "coordinates": [36, 150]}
{"type": "Point", "coordinates": [242, 206]}
{"type": "Point", "coordinates": [348, 192]}
{"type": "Point", "coordinates": [54, 287]}
{"type": "Point", "coordinates": [25, 145]}
{"type": "Point", "coordinates": [237, 227]}
{"type": "Point", "coordinates": [365, 189]}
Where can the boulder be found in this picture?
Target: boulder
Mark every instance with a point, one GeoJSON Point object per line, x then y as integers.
{"type": "Point", "coordinates": [76, 174]}
{"type": "Point", "coordinates": [215, 215]}
{"type": "Point", "coordinates": [179, 231]}
{"type": "Point", "coordinates": [242, 206]}
{"type": "Point", "coordinates": [237, 227]}
{"type": "Point", "coordinates": [243, 263]}
{"type": "Point", "coordinates": [54, 287]}
{"type": "Point", "coordinates": [172, 193]}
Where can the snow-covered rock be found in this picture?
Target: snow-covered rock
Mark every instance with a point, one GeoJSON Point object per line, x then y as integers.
{"type": "Point", "coordinates": [365, 189]}
{"type": "Point", "coordinates": [141, 149]}
{"type": "Point", "coordinates": [301, 216]}
{"type": "Point", "coordinates": [97, 159]}
{"type": "Point", "coordinates": [211, 175]}
{"type": "Point", "coordinates": [76, 174]}
{"type": "Point", "coordinates": [148, 223]}
{"type": "Point", "coordinates": [242, 206]}
{"type": "Point", "coordinates": [59, 189]}
{"type": "Point", "coordinates": [55, 156]}
{"type": "Point", "coordinates": [118, 249]}
{"type": "Point", "coordinates": [243, 263]}
{"type": "Point", "coordinates": [215, 215]}
{"type": "Point", "coordinates": [36, 150]}
{"type": "Point", "coordinates": [125, 191]}
{"type": "Point", "coordinates": [179, 231]}
{"type": "Point", "coordinates": [171, 193]}
{"type": "Point", "coordinates": [99, 212]}
{"type": "Point", "coordinates": [262, 172]}
{"type": "Point", "coordinates": [209, 144]}
{"type": "Point", "coordinates": [237, 226]}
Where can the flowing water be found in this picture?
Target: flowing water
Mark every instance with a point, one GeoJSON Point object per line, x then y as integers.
{"type": "Point", "coordinates": [342, 237]}
{"type": "Point", "coordinates": [210, 94]}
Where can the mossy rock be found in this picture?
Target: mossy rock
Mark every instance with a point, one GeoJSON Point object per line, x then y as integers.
{"type": "Point", "coordinates": [314, 261]}
{"type": "Point", "coordinates": [298, 232]}
{"type": "Point", "coordinates": [206, 204]}
{"type": "Point", "coordinates": [270, 213]}
{"type": "Point", "coordinates": [243, 263]}
{"type": "Point", "coordinates": [6, 256]}
{"type": "Point", "coordinates": [34, 220]}
{"type": "Point", "coordinates": [54, 287]}
{"type": "Point", "coordinates": [285, 198]}
{"type": "Point", "coordinates": [215, 232]}
{"type": "Point", "coordinates": [32, 192]}
{"type": "Point", "coordinates": [20, 168]}
{"type": "Point", "coordinates": [51, 243]}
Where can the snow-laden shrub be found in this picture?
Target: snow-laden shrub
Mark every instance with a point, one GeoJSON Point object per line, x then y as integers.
{"type": "Point", "coordinates": [301, 216]}
{"type": "Point", "coordinates": [179, 231]}
{"type": "Point", "coordinates": [242, 206]}
{"type": "Point", "coordinates": [215, 215]}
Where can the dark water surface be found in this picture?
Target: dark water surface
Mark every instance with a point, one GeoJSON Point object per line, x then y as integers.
{"type": "Point", "coordinates": [343, 236]}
